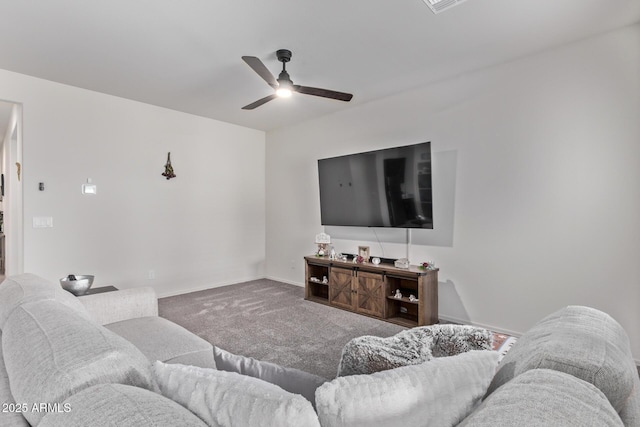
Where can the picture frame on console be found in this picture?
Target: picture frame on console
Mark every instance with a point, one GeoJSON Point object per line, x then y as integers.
{"type": "Point", "coordinates": [363, 251]}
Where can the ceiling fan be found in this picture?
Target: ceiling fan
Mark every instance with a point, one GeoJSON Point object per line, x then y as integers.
{"type": "Point", "coordinates": [283, 85]}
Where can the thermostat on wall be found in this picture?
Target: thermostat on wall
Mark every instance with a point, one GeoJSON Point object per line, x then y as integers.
{"type": "Point", "coordinates": [89, 188]}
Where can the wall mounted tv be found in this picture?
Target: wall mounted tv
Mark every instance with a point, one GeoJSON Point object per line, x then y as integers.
{"type": "Point", "coordinates": [383, 188]}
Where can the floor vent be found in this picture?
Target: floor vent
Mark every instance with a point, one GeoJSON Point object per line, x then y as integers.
{"type": "Point", "coordinates": [438, 6]}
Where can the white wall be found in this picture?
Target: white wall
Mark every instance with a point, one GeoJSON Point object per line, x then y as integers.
{"type": "Point", "coordinates": [545, 196]}
{"type": "Point", "coordinates": [204, 228]}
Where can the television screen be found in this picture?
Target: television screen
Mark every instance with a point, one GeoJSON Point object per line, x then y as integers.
{"type": "Point", "coordinates": [383, 188]}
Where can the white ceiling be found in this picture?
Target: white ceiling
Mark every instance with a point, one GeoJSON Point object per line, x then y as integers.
{"type": "Point", "coordinates": [185, 55]}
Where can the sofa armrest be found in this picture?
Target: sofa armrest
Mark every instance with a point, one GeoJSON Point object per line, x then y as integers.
{"type": "Point", "coordinates": [110, 307]}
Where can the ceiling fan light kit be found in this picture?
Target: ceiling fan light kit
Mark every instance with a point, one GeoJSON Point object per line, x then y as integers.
{"type": "Point", "coordinates": [283, 85]}
{"type": "Point", "coordinates": [438, 6]}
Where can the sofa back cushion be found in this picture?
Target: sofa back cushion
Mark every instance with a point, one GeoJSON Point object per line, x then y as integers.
{"type": "Point", "coordinates": [542, 397]}
{"type": "Point", "coordinates": [9, 414]}
{"type": "Point", "coordinates": [51, 353]}
{"type": "Point", "coordinates": [440, 392]}
{"type": "Point", "coordinates": [122, 406]}
{"type": "Point", "coordinates": [585, 343]}
{"type": "Point", "coordinates": [24, 288]}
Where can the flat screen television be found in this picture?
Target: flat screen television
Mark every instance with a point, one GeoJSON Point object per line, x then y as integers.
{"type": "Point", "coordinates": [382, 188]}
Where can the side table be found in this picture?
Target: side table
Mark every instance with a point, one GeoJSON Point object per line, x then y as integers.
{"type": "Point", "coordinates": [100, 290]}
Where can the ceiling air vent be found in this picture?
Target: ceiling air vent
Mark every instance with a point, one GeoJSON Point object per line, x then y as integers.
{"type": "Point", "coordinates": [438, 6]}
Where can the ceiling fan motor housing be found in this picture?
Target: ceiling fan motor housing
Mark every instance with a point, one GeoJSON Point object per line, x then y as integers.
{"type": "Point", "coordinates": [283, 55]}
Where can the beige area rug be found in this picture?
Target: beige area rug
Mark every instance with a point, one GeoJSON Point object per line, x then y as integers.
{"type": "Point", "coordinates": [271, 321]}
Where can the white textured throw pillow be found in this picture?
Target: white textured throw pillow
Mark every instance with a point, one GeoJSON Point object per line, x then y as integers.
{"type": "Point", "coordinates": [440, 392]}
{"type": "Point", "coordinates": [229, 399]}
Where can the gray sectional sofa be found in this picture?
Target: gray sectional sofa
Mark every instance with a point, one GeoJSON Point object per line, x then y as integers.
{"type": "Point", "coordinates": [109, 360]}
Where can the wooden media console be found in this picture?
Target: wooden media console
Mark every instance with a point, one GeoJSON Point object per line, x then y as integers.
{"type": "Point", "coordinates": [369, 289]}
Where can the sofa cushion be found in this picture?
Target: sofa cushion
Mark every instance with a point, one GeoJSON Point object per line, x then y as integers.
{"type": "Point", "coordinates": [290, 379]}
{"type": "Point", "coordinates": [122, 406]}
{"type": "Point", "coordinates": [23, 288]}
{"type": "Point", "coordinates": [51, 352]}
{"type": "Point", "coordinates": [440, 392]}
{"type": "Point", "coordinates": [542, 398]}
{"type": "Point", "coordinates": [10, 413]}
{"type": "Point", "coordinates": [123, 304]}
{"type": "Point", "coordinates": [229, 399]}
{"type": "Point", "coordinates": [160, 339]}
{"type": "Point", "coordinates": [585, 343]}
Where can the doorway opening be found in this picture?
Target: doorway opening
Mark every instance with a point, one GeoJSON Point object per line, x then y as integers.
{"type": "Point", "coordinates": [11, 198]}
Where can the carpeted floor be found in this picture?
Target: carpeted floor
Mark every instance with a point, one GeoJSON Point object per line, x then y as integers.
{"type": "Point", "coordinates": [271, 321]}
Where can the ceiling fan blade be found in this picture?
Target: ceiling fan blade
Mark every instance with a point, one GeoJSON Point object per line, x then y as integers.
{"type": "Point", "coordinates": [325, 93]}
{"type": "Point", "coordinates": [259, 102]}
{"type": "Point", "coordinates": [257, 66]}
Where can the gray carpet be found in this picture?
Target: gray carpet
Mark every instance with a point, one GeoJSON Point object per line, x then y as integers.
{"type": "Point", "coordinates": [271, 321]}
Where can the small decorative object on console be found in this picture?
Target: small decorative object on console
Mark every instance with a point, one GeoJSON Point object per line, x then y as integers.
{"type": "Point", "coordinates": [429, 265]}
{"type": "Point", "coordinates": [363, 251]}
{"type": "Point", "coordinates": [358, 259]}
{"type": "Point", "coordinates": [323, 240]}
{"type": "Point", "coordinates": [402, 263]}
{"type": "Point", "coordinates": [398, 294]}
{"type": "Point", "coordinates": [413, 298]}
{"type": "Point", "coordinates": [375, 261]}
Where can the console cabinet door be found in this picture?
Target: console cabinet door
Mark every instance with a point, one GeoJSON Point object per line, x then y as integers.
{"type": "Point", "coordinates": [341, 288]}
{"type": "Point", "coordinates": [370, 298]}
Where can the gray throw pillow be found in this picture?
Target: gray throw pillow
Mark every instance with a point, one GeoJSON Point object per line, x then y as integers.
{"type": "Point", "coordinates": [290, 379]}
{"type": "Point", "coordinates": [450, 339]}
{"type": "Point", "coordinates": [368, 354]}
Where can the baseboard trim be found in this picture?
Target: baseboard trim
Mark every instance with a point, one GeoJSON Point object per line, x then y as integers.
{"type": "Point", "coordinates": [480, 325]}
{"type": "Point", "coordinates": [290, 282]}
{"type": "Point", "coordinates": [208, 286]}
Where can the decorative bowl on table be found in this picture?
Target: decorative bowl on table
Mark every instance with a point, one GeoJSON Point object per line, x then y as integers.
{"type": "Point", "coordinates": [77, 284]}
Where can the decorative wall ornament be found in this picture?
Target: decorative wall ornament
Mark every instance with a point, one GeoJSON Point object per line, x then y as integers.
{"type": "Point", "coordinates": [18, 169]}
{"type": "Point", "coordinates": [168, 169]}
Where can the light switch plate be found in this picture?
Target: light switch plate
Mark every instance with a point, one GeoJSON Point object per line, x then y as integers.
{"type": "Point", "coordinates": [42, 222]}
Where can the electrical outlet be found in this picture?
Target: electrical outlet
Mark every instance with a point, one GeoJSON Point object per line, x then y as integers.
{"type": "Point", "coordinates": [152, 274]}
